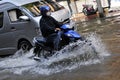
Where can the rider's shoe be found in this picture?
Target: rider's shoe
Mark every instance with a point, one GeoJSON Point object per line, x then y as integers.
{"type": "Point", "coordinates": [36, 58]}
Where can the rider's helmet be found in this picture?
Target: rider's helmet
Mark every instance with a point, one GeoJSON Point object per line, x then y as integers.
{"type": "Point", "coordinates": [45, 10]}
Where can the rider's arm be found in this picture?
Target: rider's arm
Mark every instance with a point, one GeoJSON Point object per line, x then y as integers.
{"type": "Point", "coordinates": [45, 27]}
{"type": "Point", "coordinates": [58, 24]}
{"type": "Point", "coordinates": [48, 28]}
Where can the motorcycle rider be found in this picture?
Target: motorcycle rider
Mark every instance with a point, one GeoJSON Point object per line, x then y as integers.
{"type": "Point", "coordinates": [49, 27]}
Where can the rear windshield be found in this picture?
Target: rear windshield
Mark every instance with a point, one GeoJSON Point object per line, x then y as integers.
{"type": "Point", "coordinates": [33, 8]}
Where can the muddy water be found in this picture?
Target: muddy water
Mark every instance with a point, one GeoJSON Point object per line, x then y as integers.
{"type": "Point", "coordinates": [110, 34]}
{"type": "Point", "coordinates": [106, 39]}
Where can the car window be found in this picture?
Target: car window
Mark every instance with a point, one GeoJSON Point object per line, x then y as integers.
{"type": "Point", "coordinates": [15, 14]}
{"type": "Point", "coordinates": [47, 3]}
{"type": "Point", "coordinates": [1, 20]}
{"type": "Point", "coordinates": [55, 5]}
{"type": "Point", "coordinates": [33, 8]}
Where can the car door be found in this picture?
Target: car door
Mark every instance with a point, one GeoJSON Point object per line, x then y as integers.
{"type": "Point", "coordinates": [21, 29]}
{"type": "Point", "coordinates": [12, 29]}
{"type": "Point", "coordinates": [5, 37]}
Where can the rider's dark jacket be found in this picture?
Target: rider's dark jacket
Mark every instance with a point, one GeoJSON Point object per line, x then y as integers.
{"type": "Point", "coordinates": [48, 25]}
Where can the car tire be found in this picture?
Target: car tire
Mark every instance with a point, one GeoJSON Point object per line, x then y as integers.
{"type": "Point", "coordinates": [24, 45]}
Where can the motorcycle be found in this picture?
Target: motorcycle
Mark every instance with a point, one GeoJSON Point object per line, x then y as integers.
{"type": "Point", "coordinates": [41, 46]}
{"type": "Point", "coordinates": [88, 9]}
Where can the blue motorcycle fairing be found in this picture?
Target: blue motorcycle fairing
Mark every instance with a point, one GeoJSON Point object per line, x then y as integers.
{"type": "Point", "coordinates": [65, 26]}
{"type": "Point", "coordinates": [72, 34]}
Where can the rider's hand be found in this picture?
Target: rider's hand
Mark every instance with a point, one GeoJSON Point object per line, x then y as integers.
{"type": "Point", "coordinates": [57, 29]}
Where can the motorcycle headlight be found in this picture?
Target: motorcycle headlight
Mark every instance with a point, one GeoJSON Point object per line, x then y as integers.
{"type": "Point", "coordinates": [69, 35]}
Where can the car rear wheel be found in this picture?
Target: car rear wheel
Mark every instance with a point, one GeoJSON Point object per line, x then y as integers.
{"type": "Point", "coordinates": [24, 45]}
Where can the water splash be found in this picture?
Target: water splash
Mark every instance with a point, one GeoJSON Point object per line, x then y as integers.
{"type": "Point", "coordinates": [98, 44]}
{"type": "Point", "coordinates": [69, 58]}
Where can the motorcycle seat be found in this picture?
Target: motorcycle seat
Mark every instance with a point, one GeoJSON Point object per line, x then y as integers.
{"type": "Point", "coordinates": [41, 40]}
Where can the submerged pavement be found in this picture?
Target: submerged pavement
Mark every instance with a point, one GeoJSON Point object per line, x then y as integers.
{"type": "Point", "coordinates": [108, 32]}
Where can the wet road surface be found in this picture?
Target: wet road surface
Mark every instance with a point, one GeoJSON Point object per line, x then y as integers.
{"type": "Point", "coordinates": [107, 69]}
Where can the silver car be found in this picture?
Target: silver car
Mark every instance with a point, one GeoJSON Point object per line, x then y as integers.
{"type": "Point", "coordinates": [19, 23]}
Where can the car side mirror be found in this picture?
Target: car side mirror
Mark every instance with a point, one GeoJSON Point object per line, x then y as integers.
{"type": "Point", "coordinates": [25, 18]}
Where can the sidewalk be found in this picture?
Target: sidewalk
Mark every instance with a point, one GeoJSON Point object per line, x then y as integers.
{"type": "Point", "coordinates": [80, 17]}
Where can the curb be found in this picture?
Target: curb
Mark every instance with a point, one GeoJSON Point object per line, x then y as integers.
{"type": "Point", "coordinates": [80, 17]}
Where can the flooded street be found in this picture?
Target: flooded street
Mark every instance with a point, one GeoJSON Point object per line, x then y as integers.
{"type": "Point", "coordinates": [80, 63]}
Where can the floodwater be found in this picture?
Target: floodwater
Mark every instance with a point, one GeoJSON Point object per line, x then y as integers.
{"type": "Point", "coordinates": [73, 63]}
